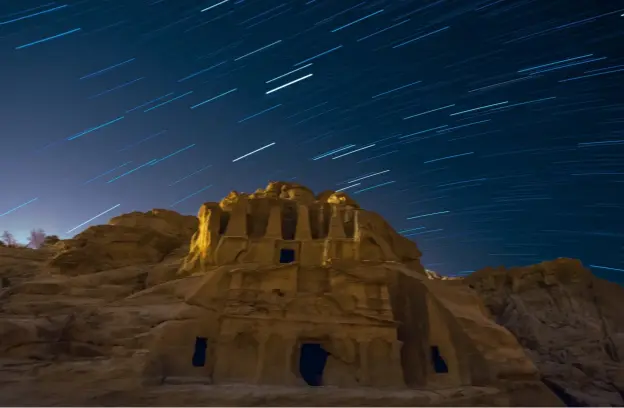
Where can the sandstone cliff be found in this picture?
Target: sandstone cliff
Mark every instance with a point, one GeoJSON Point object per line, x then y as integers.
{"type": "Point", "coordinates": [570, 323]}
{"type": "Point", "coordinates": [89, 339]}
{"type": "Point", "coordinates": [81, 322]}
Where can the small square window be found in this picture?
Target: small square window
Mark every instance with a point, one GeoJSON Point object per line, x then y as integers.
{"type": "Point", "coordinates": [287, 256]}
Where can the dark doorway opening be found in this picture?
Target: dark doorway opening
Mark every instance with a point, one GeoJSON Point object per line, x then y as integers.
{"type": "Point", "coordinates": [199, 356]}
{"type": "Point", "coordinates": [312, 362]}
{"type": "Point", "coordinates": [439, 365]}
{"type": "Point", "coordinates": [287, 255]}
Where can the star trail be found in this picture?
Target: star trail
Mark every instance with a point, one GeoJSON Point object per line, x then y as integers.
{"type": "Point", "coordinates": [489, 132]}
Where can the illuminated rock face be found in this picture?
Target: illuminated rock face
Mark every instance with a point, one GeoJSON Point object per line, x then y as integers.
{"type": "Point", "coordinates": [288, 274]}
{"type": "Point", "coordinates": [284, 221]}
{"type": "Point", "coordinates": [278, 287]}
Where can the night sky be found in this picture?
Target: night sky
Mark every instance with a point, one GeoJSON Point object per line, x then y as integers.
{"type": "Point", "coordinates": [490, 132]}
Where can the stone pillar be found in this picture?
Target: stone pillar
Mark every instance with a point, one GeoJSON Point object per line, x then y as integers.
{"type": "Point", "coordinates": [395, 354]}
{"type": "Point", "coordinates": [381, 362]}
{"type": "Point", "coordinates": [310, 251]}
{"type": "Point", "coordinates": [291, 350]}
{"type": "Point", "coordinates": [336, 227]}
{"type": "Point", "coordinates": [327, 253]}
{"type": "Point", "coordinates": [221, 372]}
{"type": "Point", "coordinates": [237, 359]}
{"type": "Point", "coordinates": [274, 225]}
{"type": "Point", "coordinates": [335, 232]}
{"type": "Point", "coordinates": [275, 363]}
{"type": "Point", "coordinates": [357, 233]}
{"type": "Point", "coordinates": [303, 232]}
{"type": "Point", "coordinates": [237, 226]}
{"type": "Point", "coordinates": [264, 357]}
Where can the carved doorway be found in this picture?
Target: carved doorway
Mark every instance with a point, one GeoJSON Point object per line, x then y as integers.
{"type": "Point", "coordinates": [199, 356]}
{"type": "Point", "coordinates": [439, 365]}
{"type": "Point", "coordinates": [312, 362]}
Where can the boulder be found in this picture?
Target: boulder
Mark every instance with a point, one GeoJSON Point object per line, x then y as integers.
{"type": "Point", "coordinates": [105, 247]}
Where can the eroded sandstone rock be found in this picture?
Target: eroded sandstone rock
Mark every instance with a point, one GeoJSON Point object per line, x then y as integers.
{"type": "Point", "coordinates": [166, 222]}
{"type": "Point", "coordinates": [570, 323]}
{"type": "Point", "coordinates": [129, 239]}
{"type": "Point", "coordinates": [143, 314]}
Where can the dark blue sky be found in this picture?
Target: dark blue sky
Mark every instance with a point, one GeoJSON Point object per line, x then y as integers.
{"type": "Point", "coordinates": [492, 132]}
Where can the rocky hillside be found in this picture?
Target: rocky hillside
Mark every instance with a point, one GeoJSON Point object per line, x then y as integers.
{"type": "Point", "coordinates": [77, 318]}
{"type": "Point", "coordinates": [569, 322]}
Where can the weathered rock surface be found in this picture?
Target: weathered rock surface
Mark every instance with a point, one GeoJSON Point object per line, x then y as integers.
{"type": "Point", "coordinates": [106, 318]}
{"type": "Point", "coordinates": [166, 222]}
{"type": "Point", "coordinates": [130, 239]}
{"type": "Point", "coordinates": [570, 323]}
{"type": "Point", "coordinates": [19, 264]}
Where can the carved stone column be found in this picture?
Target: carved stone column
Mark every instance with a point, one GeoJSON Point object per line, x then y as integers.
{"type": "Point", "coordinates": [336, 227]}
{"type": "Point", "coordinates": [274, 225]}
{"type": "Point", "coordinates": [237, 226]}
{"type": "Point", "coordinates": [303, 232]}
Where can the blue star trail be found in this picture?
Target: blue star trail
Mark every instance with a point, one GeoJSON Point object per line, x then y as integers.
{"type": "Point", "coordinates": [168, 101]}
{"type": "Point", "coordinates": [288, 84]}
{"type": "Point", "coordinates": [18, 207]}
{"type": "Point", "coordinates": [63, 34]}
{"type": "Point", "coordinates": [33, 15]}
{"type": "Point", "coordinates": [478, 128]}
{"type": "Point", "coordinates": [93, 218]}
{"type": "Point", "coordinates": [214, 98]}
{"type": "Point", "coordinates": [101, 71]}
{"type": "Point", "coordinates": [93, 129]}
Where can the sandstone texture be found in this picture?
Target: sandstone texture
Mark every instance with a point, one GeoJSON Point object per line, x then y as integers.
{"type": "Point", "coordinates": [569, 322]}
{"type": "Point", "coordinates": [282, 297]}
{"type": "Point", "coordinates": [135, 238]}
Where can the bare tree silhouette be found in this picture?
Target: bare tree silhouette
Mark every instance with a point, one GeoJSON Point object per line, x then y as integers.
{"type": "Point", "coordinates": [8, 239]}
{"type": "Point", "coordinates": [36, 239]}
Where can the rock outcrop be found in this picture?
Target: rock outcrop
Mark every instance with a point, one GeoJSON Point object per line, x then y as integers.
{"type": "Point", "coordinates": [141, 312]}
{"type": "Point", "coordinates": [130, 239]}
{"type": "Point", "coordinates": [570, 323]}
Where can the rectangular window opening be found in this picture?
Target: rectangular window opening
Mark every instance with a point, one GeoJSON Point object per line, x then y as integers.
{"type": "Point", "coordinates": [287, 256]}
